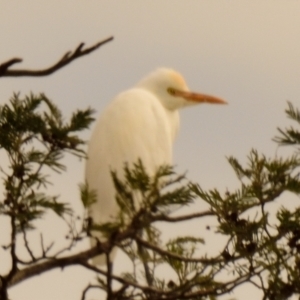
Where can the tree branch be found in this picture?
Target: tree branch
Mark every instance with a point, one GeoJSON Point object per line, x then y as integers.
{"type": "Point", "coordinates": [13, 254]}
{"type": "Point", "coordinates": [66, 59]}
{"type": "Point", "coordinates": [50, 264]}
{"type": "Point", "coordinates": [89, 287]}
{"type": "Point", "coordinates": [76, 259]}
{"type": "Point", "coordinates": [122, 280]}
{"type": "Point", "coordinates": [4, 66]}
{"type": "Point", "coordinates": [197, 215]}
{"type": "Point", "coordinates": [206, 261]}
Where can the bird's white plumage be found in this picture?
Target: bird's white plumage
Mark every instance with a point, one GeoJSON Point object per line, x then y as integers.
{"type": "Point", "coordinates": [122, 135]}
{"type": "Point", "coordinates": [140, 123]}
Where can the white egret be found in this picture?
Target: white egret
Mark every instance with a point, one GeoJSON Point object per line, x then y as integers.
{"type": "Point", "coordinates": [140, 123]}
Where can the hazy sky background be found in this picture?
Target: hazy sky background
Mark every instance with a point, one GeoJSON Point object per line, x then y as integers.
{"type": "Point", "coordinates": [246, 52]}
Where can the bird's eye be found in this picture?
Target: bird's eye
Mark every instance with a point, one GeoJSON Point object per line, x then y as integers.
{"type": "Point", "coordinates": [171, 91]}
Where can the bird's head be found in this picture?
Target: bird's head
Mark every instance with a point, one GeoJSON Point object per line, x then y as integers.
{"type": "Point", "coordinates": [171, 89]}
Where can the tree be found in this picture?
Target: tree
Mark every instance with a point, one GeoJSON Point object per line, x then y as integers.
{"type": "Point", "coordinates": [258, 248]}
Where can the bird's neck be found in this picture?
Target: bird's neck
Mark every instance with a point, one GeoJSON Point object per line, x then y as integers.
{"type": "Point", "coordinates": [173, 118]}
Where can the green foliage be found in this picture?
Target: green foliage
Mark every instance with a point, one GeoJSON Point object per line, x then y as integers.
{"type": "Point", "coordinates": [290, 136]}
{"type": "Point", "coordinates": [256, 244]}
{"type": "Point", "coordinates": [34, 136]}
{"type": "Point", "coordinates": [87, 196]}
{"type": "Point", "coordinates": [259, 247]}
{"type": "Point", "coordinates": [184, 247]}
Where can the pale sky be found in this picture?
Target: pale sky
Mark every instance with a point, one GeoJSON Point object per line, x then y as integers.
{"type": "Point", "coordinates": [246, 52]}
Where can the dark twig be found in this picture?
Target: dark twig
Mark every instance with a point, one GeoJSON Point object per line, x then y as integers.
{"type": "Point", "coordinates": [108, 277]}
{"type": "Point", "coordinates": [166, 218]}
{"type": "Point", "coordinates": [76, 259]}
{"type": "Point", "coordinates": [174, 294]}
{"type": "Point", "coordinates": [89, 287]}
{"type": "Point", "coordinates": [26, 243]}
{"type": "Point", "coordinates": [4, 67]}
{"type": "Point", "coordinates": [47, 249]}
{"type": "Point", "coordinates": [13, 254]}
{"type": "Point", "coordinates": [51, 264]}
{"type": "Point", "coordinates": [66, 59]}
{"type": "Point", "coordinates": [143, 255]}
{"type": "Point", "coordinates": [163, 252]}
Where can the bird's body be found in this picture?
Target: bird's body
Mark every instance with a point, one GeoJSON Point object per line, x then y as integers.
{"type": "Point", "coordinates": [140, 123]}
{"type": "Point", "coordinates": [130, 116]}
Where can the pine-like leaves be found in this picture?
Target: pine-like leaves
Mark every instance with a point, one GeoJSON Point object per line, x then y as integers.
{"type": "Point", "coordinates": [33, 135]}
{"type": "Point", "coordinates": [290, 136]}
{"type": "Point", "coordinates": [255, 244]}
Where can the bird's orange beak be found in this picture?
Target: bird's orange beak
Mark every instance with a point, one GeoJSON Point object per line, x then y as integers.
{"type": "Point", "coordinates": [200, 98]}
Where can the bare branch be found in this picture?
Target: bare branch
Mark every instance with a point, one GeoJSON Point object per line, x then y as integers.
{"type": "Point", "coordinates": [89, 287]}
{"type": "Point", "coordinates": [172, 294]}
{"type": "Point", "coordinates": [13, 254]}
{"type": "Point", "coordinates": [66, 59]}
{"type": "Point", "coordinates": [51, 264]}
{"type": "Point", "coordinates": [4, 66]}
{"type": "Point", "coordinates": [183, 218]}
{"type": "Point", "coordinates": [76, 259]}
{"type": "Point", "coordinates": [47, 249]}
{"type": "Point", "coordinates": [108, 277]}
{"type": "Point", "coordinates": [26, 243]}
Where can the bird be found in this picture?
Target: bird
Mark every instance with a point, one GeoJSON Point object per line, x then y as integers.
{"type": "Point", "coordinates": [139, 123]}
